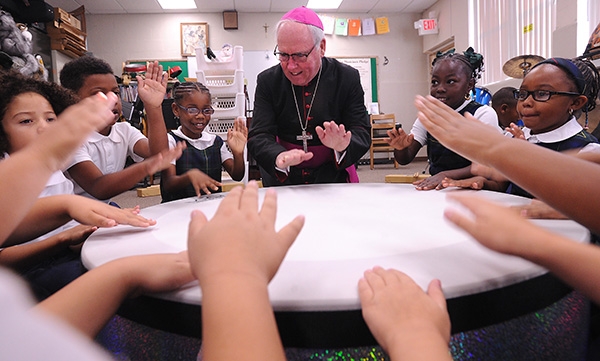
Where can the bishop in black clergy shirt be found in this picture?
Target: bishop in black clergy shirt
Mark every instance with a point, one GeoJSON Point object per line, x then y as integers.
{"type": "Point", "coordinates": [310, 124]}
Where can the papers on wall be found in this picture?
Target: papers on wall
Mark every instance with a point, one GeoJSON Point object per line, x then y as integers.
{"type": "Point", "coordinates": [353, 27]}
{"type": "Point", "coordinates": [368, 26]}
{"type": "Point", "coordinates": [328, 24]}
{"type": "Point", "coordinates": [341, 27]}
{"type": "Point", "coordinates": [382, 25]}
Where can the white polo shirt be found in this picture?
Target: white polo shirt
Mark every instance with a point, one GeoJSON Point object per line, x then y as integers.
{"type": "Point", "coordinates": [108, 153]}
{"type": "Point", "coordinates": [484, 114]}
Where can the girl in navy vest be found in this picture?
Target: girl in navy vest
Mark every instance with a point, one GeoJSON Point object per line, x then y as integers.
{"type": "Point", "coordinates": [549, 100]}
{"type": "Point", "coordinates": [550, 97]}
{"type": "Point", "coordinates": [198, 170]}
{"type": "Point", "coordinates": [453, 76]}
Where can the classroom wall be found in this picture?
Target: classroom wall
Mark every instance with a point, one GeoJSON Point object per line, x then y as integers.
{"type": "Point", "coordinates": [117, 38]}
{"type": "Point", "coordinates": [453, 23]}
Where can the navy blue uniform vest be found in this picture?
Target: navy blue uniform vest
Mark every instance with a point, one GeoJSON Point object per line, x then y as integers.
{"type": "Point", "coordinates": [577, 141]}
{"type": "Point", "coordinates": [442, 158]}
{"type": "Point", "coordinates": [207, 161]}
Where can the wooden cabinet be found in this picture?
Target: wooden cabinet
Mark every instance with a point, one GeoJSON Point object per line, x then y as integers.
{"type": "Point", "coordinates": [68, 32]}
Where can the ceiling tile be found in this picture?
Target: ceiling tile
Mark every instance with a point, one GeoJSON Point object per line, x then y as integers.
{"type": "Point", "coordinates": [214, 6]}
{"type": "Point", "coordinates": [419, 6]}
{"type": "Point", "coordinates": [278, 6]}
{"type": "Point", "coordinates": [137, 6]}
{"type": "Point", "coordinates": [67, 5]}
{"type": "Point", "coordinates": [102, 7]}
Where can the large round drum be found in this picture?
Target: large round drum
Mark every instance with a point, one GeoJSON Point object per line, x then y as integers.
{"type": "Point", "coordinates": [350, 228]}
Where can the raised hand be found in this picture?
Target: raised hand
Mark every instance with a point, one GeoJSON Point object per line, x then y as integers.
{"type": "Point", "coordinates": [334, 136]}
{"type": "Point", "coordinates": [153, 87]}
{"type": "Point", "coordinates": [237, 137]}
{"type": "Point", "coordinates": [163, 159]}
{"type": "Point", "coordinates": [398, 139]}
{"type": "Point", "coordinates": [516, 131]}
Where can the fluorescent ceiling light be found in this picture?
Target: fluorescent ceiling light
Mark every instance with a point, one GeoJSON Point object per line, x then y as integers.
{"type": "Point", "coordinates": [323, 4]}
{"type": "Point", "coordinates": [177, 4]}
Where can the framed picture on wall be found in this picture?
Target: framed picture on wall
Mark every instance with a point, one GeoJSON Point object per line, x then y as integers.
{"type": "Point", "coordinates": [193, 35]}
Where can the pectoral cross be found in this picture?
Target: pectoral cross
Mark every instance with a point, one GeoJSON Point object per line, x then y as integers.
{"type": "Point", "coordinates": [304, 138]}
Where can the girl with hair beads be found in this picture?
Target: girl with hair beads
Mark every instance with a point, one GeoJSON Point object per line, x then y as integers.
{"type": "Point", "coordinates": [453, 76]}
{"type": "Point", "coordinates": [198, 170]}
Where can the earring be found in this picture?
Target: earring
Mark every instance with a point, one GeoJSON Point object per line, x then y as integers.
{"type": "Point", "coordinates": [467, 96]}
{"type": "Point", "coordinates": [570, 112]}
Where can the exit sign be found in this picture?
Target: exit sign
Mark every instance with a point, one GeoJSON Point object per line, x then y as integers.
{"type": "Point", "coordinates": [427, 26]}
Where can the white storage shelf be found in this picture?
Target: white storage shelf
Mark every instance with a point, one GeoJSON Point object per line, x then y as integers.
{"type": "Point", "coordinates": [228, 106]}
{"type": "Point", "coordinates": [222, 83]}
{"type": "Point", "coordinates": [220, 126]}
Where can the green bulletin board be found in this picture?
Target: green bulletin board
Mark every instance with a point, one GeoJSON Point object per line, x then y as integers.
{"type": "Point", "coordinates": [166, 65]}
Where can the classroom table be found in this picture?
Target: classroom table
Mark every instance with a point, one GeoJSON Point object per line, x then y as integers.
{"type": "Point", "coordinates": [493, 299]}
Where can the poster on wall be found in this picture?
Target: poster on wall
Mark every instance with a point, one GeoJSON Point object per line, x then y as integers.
{"type": "Point", "coordinates": [367, 68]}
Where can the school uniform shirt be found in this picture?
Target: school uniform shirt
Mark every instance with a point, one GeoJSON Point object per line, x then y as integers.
{"type": "Point", "coordinates": [57, 184]}
{"type": "Point", "coordinates": [570, 135]}
{"type": "Point", "coordinates": [206, 154]}
{"type": "Point", "coordinates": [27, 334]}
{"type": "Point", "coordinates": [564, 132]}
{"type": "Point", "coordinates": [441, 158]}
{"type": "Point", "coordinates": [108, 153]}
{"type": "Point", "coordinates": [484, 114]}
{"type": "Point", "coordinates": [205, 141]}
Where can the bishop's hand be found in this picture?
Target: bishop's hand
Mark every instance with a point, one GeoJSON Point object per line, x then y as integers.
{"type": "Point", "coordinates": [334, 136]}
{"type": "Point", "coordinates": [292, 157]}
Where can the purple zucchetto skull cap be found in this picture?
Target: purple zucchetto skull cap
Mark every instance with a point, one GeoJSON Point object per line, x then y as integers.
{"type": "Point", "coordinates": [305, 16]}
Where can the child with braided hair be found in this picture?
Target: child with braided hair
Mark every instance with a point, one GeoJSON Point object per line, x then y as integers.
{"type": "Point", "coordinates": [453, 76]}
{"type": "Point", "coordinates": [198, 170]}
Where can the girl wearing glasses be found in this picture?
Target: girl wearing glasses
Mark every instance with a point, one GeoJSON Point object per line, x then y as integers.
{"type": "Point", "coordinates": [549, 100]}
{"type": "Point", "coordinates": [198, 170]}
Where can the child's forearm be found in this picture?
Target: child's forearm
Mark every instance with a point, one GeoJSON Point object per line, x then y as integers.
{"type": "Point", "coordinates": [239, 167]}
{"type": "Point", "coordinates": [407, 154]}
{"type": "Point", "coordinates": [461, 173]}
{"type": "Point", "coordinates": [420, 345]}
{"type": "Point", "coordinates": [23, 256]}
{"type": "Point", "coordinates": [91, 300]}
{"type": "Point", "coordinates": [238, 322]}
{"type": "Point", "coordinates": [557, 170]}
{"type": "Point", "coordinates": [113, 184]}
{"type": "Point", "coordinates": [45, 214]}
{"type": "Point", "coordinates": [156, 131]}
{"type": "Point", "coordinates": [172, 182]}
{"type": "Point", "coordinates": [32, 178]}
{"type": "Point", "coordinates": [575, 263]}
